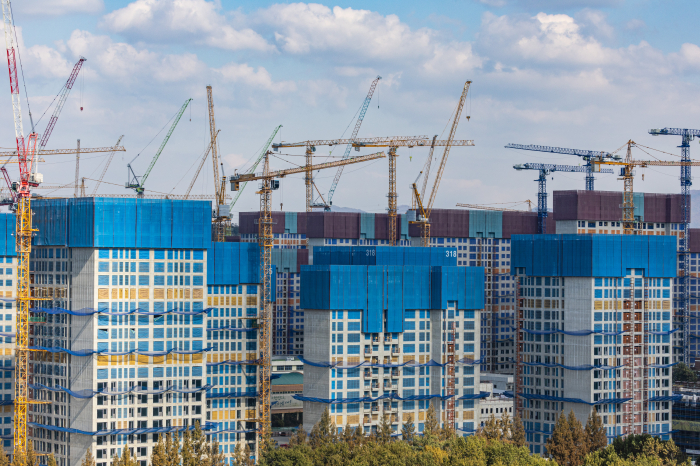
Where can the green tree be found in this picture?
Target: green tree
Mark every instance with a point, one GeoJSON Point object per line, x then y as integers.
{"type": "Point", "coordinates": [215, 455]}
{"type": "Point", "coordinates": [89, 460]}
{"type": "Point", "coordinates": [559, 444]}
{"type": "Point", "coordinates": [408, 431]}
{"type": "Point", "coordinates": [518, 432]}
{"type": "Point", "coordinates": [241, 455]}
{"type": "Point", "coordinates": [505, 424]}
{"type": "Point", "coordinates": [491, 429]}
{"type": "Point", "coordinates": [159, 455]}
{"type": "Point", "coordinates": [323, 432]}
{"type": "Point", "coordinates": [578, 437]}
{"type": "Point", "coordinates": [683, 373]}
{"type": "Point", "coordinates": [52, 460]}
{"type": "Point", "coordinates": [432, 426]}
{"type": "Point", "coordinates": [299, 437]}
{"type": "Point", "coordinates": [172, 450]}
{"type": "Point", "coordinates": [384, 429]}
{"type": "Point", "coordinates": [595, 432]}
{"type": "Point", "coordinates": [125, 459]}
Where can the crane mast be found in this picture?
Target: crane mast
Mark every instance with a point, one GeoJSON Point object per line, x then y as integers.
{"type": "Point", "coordinates": [356, 130]}
{"type": "Point", "coordinates": [221, 219]}
{"type": "Point", "coordinates": [109, 160]}
{"type": "Point", "coordinates": [23, 237]}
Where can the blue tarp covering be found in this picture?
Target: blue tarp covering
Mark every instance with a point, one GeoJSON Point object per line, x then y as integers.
{"type": "Point", "coordinates": [394, 289]}
{"type": "Point", "coordinates": [666, 398]}
{"type": "Point", "coordinates": [233, 395]}
{"type": "Point", "coordinates": [584, 367]}
{"type": "Point", "coordinates": [231, 329]}
{"type": "Point", "coordinates": [122, 223]}
{"type": "Point", "coordinates": [384, 255]}
{"type": "Point", "coordinates": [236, 263]}
{"type": "Point", "coordinates": [593, 255]}
{"type": "Point", "coordinates": [368, 399]}
{"type": "Point", "coordinates": [573, 400]}
{"type": "Point", "coordinates": [251, 362]}
{"type": "Point", "coordinates": [475, 396]}
{"type": "Point", "coordinates": [86, 311]}
{"type": "Point", "coordinates": [135, 390]}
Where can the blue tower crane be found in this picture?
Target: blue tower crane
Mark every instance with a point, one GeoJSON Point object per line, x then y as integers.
{"type": "Point", "coordinates": [686, 135]}
{"type": "Point", "coordinates": [584, 154]}
{"type": "Point", "coordinates": [545, 169]}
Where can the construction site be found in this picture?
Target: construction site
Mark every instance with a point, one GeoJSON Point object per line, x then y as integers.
{"type": "Point", "coordinates": [132, 315]}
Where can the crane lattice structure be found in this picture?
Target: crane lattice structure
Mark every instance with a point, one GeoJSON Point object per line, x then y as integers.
{"type": "Point", "coordinates": [423, 217]}
{"type": "Point", "coordinates": [109, 160]}
{"type": "Point", "coordinates": [327, 205]}
{"type": "Point", "coordinates": [21, 193]}
{"type": "Point", "coordinates": [265, 239]}
{"type": "Point", "coordinates": [393, 143]}
{"type": "Point", "coordinates": [134, 182]}
{"type": "Point", "coordinates": [255, 165]}
{"type": "Point", "coordinates": [221, 220]}
{"type": "Point", "coordinates": [586, 155]}
{"type": "Point", "coordinates": [545, 169]}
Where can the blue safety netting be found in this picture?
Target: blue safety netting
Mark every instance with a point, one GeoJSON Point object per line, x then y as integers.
{"type": "Point", "coordinates": [8, 334]}
{"type": "Point", "coordinates": [474, 396]}
{"type": "Point", "coordinates": [675, 397]}
{"type": "Point", "coordinates": [662, 332]}
{"type": "Point", "coordinates": [583, 367]}
{"type": "Point", "coordinates": [87, 311]}
{"type": "Point", "coordinates": [431, 363]}
{"type": "Point", "coordinates": [87, 393]}
{"type": "Point", "coordinates": [231, 329]}
{"type": "Point", "coordinates": [249, 362]}
{"type": "Point", "coordinates": [576, 333]}
{"type": "Point", "coordinates": [368, 399]}
{"type": "Point", "coordinates": [148, 430]}
{"type": "Point", "coordinates": [233, 395]}
{"type": "Point", "coordinates": [663, 366]}
{"type": "Point", "coordinates": [6, 402]}
{"type": "Point", "coordinates": [530, 396]}
{"type": "Point", "coordinates": [90, 352]}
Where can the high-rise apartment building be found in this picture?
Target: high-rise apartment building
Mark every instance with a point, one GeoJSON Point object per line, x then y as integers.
{"type": "Point", "coordinates": [390, 341]}
{"type": "Point", "coordinates": [594, 332]}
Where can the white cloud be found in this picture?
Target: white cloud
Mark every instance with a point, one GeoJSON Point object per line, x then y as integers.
{"type": "Point", "coordinates": [260, 78]}
{"type": "Point", "coordinates": [119, 60]}
{"type": "Point", "coordinates": [59, 7]}
{"type": "Point", "coordinates": [179, 21]}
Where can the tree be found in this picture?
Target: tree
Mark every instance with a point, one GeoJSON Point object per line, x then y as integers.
{"type": "Point", "coordinates": [52, 460]}
{"type": "Point", "coordinates": [432, 426]}
{"type": "Point", "coordinates": [125, 459]}
{"type": "Point", "coordinates": [560, 442]}
{"type": "Point", "coordinates": [491, 429]}
{"type": "Point", "coordinates": [408, 429]}
{"type": "Point", "coordinates": [172, 450]}
{"type": "Point", "coordinates": [4, 460]}
{"type": "Point", "coordinates": [683, 373]}
{"type": "Point", "coordinates": [241, 456]}
{"type": "Point", "coordinates": [89, 460]}
{"type": "Point", "coordinates": [159, 455]}
{"type": "Point", "coordinates": [384, 430]}
{"type": "Point", "coordinates": [215, 455]}
{"type": "Point", "coordinates": [518, 432]}
{"type": "Point", "coordinates": [638, 450]}
{"type": "Point", "coordinates": [578, 437]}
{"type": "Point", "coordinates": [299, 437]}
{"type": "Point", "coordinates": [324, 431]}
{"type": "Point", "coordinates": [595, 433]}
{"type": "Point", "coordinates": [506, 426]}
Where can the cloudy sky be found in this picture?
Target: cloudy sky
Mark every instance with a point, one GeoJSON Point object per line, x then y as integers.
{"type": "Point", "coordinates": [587, 74]}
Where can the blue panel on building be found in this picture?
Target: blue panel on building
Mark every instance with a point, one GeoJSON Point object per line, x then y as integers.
{"type": "Point", "coordinates": [593, 255]}
{"type": "Point", "coordinates": [290, 222]}
{"type": "Point", "coordinates": [373, 318]}
{"type": "Point", "coordinates": [393, 294]}
{"type": "Point", "coordinates": [485, 224]}
{"type": "Point", "coordinates": [366, 225]}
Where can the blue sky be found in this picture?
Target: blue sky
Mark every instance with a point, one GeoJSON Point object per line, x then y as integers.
{"type": "Point", "coordinates": [587, 74]}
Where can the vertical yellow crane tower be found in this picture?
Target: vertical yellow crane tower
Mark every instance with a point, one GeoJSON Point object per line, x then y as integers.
{"type": "Point", "coordinates": [221, 220]}
{"type": "Point", "coordinates": [265, 239]}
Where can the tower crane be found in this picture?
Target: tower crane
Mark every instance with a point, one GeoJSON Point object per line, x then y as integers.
{"type": "Point", "coordinates": [109, 160]}
{"type": "Point", "coordinates": [393, 143]}
{"type": "Point", "coordinates": [134, 182]}
{"type": "Point", "coordinates": [586, 155]}
{"type": "Point", "coordinates": [221, 219]}
{"type": "Point", "coordinates": [545, 169]}
{"type": "Point", "coordinates": [201, 164]}
{"type": "Point", "coordinates": [265, 239]}
{"type": "Point", "coordinates": [424, 218]}
{"type": "Point", "coordinates": [26, 151]}
{"type": "Point", "coordinates": [358, 123]}
{"type": "Point", "coordinates": [257, 162]}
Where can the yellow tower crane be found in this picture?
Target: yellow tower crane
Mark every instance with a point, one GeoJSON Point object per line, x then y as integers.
{"type": "Point", "coordinates": [423, 216]}
{"type": "Point", "coordinates": [393, 143]}
{"type": "Point", "coordinates": [221, 220]}
{"type": "Point", "coordinates": [627, 176]}
{"type": "Point", "coordinates": [265, 239]}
